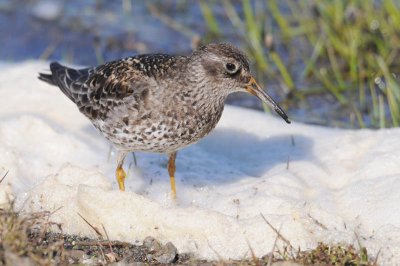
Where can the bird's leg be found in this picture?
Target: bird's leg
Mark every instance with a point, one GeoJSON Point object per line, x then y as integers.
{"type": "Point", "coordinates": [120, 173]}
{"type": "Point", "coordinates": [171, 171]}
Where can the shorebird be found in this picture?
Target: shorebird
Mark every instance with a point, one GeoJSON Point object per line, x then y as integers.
{"type": "Point", "coordinates": [157, 102]}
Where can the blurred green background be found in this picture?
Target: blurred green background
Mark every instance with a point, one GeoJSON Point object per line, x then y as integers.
{"type": "Point", "coordinates": [332, 63]}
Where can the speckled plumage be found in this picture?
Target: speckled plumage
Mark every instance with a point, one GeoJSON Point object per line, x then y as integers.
{"type": "Point", "coordinates": [156, 102]}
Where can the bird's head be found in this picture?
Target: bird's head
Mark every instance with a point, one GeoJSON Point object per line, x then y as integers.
{"type": "Point", "coordinates": [227, 68]}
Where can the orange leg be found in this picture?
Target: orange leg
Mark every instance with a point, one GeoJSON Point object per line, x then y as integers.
{"type": "Point", "coordinates": [171, 171]}
{"type": "Point", "coordinates": [120, 173]}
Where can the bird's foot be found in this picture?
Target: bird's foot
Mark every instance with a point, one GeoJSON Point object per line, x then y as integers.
{"type": "Point", "coordinates": [120, 174]}
{"type": "Point", "coordinates": [171, 171]}
{"type": "Point", "coordinates": [173, 189]}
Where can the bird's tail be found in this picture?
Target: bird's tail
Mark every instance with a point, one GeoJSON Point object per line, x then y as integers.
{"type": "Point", "coordinates": [47, 78]}
{"type": "Point", "coordinates": [51, 78]}
{"type": "Point", "coordinates": [63, 77]}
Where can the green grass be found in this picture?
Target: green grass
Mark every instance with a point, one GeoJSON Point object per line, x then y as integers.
{"type": "Point", "coordinates": [350, 49]}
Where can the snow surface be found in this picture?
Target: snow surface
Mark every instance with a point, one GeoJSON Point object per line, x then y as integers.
{"type": "Point", "coordinates": [315, 183]}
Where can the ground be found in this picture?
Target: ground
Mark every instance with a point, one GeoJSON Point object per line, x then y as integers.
{"type": "Point", "coordinates": [29, 240]}
{"type": "Point", "coordinates": [252, 177]}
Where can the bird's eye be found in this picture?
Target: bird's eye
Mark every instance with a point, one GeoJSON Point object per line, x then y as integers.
{"type": "Point", "coordinates": [231, 68]}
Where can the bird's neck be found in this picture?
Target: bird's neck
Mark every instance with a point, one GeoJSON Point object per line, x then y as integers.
{"type": "Point", "coordinates": [195, 90]}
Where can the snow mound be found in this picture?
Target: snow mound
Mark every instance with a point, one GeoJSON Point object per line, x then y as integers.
{"type": "Point", "coordinates": [315, 183]}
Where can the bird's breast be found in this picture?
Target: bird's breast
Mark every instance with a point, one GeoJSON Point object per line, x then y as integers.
{"type": "Point", "coordinates": [164, 128]}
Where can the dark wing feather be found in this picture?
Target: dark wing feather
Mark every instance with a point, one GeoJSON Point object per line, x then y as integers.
{"type": "Point", "coordinates": [68, 80]}
{"type": "Point", "coordinates": [98, 90]}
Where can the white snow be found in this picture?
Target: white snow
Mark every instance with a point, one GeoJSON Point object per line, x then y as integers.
{"type": "Point", "coordinates": [47, 10]}
{"type": "Point", "coordinates": [339, 185]}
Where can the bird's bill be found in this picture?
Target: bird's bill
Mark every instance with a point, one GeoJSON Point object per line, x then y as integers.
{"type": "Point", "coordinates": [253, 88]}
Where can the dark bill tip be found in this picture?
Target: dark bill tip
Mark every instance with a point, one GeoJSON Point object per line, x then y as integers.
{"type": "Point", "coordinates": [256, 90]}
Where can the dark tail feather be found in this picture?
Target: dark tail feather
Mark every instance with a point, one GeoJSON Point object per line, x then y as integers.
{"type": "Point", "coordinates": [69, 80]}
{"type": "Point", "coordinates": [57, 78]}
{"type": "Point", "coordinates": [47, 78]}
{"type": "Point", "coordinates": [50, 78]}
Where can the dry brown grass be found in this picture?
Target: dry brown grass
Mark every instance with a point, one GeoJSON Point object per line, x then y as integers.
{"type": "Point", "coordinates": [24, 236]}
{"type": "Point", "coordinates": [29, 239]}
